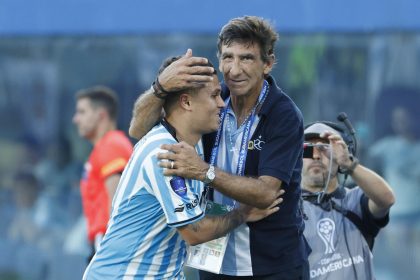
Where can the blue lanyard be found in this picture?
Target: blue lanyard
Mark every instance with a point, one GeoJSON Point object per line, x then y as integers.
{"type": "Point", "coordinates": [245, 137]}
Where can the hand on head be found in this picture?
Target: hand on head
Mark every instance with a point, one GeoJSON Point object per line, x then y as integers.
{"type": "Point", "coordinates": [187, 72]}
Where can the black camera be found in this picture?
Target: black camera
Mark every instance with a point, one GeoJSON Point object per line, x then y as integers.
{"type": "Point", "coordinates": [308, 150]}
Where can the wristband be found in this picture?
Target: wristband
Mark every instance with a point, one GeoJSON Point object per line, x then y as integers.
{"type": "Point", "coordinates": [351, 168]}
{"type": "Point", "coordinates": [161, 87]}
{"type": "Point", "coordinates": [157, 91]}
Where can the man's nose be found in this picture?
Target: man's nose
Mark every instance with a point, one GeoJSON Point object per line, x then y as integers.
{"type": "Point", "coordinates": [316, 153]}
{"type": "Point", "coordinates": [235, 67]}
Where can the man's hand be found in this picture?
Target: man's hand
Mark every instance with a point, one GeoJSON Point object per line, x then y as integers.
{"type": "Point", "coordinates": [254, 214]}
{"type": "Point", "coordinates": [182, 160]}
{"type": "Point", "coordinates": [186, 72]}
{"type": "Point", "coordinates": [339, 149]}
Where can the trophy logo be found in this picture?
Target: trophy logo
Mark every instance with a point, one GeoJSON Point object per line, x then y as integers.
{"type": "Point", "coordinates": [325, 229]}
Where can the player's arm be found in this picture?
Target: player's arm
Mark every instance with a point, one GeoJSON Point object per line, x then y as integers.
{"type": "Point", "coordinates": [146, 113]}
{"type": "Point", "coordinates": [111, 183]}
{"type": "Point", "coordinates": [213, 227]}
{"type": "Point", "coordinates": [186, 72]}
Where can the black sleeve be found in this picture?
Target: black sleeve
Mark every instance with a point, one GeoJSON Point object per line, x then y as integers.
{"type": "Point", "coordinates": [372, 224]}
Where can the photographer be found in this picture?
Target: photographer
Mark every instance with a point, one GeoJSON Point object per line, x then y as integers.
{"type": "Point", "coordinates": [341, 222]}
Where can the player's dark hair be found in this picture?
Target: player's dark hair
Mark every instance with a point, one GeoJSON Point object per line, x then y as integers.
{"type": "Point", "coordinates": [101, 96]}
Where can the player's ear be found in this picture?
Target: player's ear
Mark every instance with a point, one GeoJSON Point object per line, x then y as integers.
{"type": "Point", "coordinates": [185, 101]}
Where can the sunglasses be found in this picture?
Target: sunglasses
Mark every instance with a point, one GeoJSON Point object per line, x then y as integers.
{"type": "Point", "coordinates": [308, 149]}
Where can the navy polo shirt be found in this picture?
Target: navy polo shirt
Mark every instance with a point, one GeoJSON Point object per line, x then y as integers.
{"type": "Point", "coordinates": [275, 149]}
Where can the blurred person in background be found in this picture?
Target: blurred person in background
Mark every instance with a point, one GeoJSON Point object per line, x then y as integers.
{"type": "Point", "coordinates": [154, 216]}
{"type": "Point", "coordinates": [29, 241]}
{"type": "Point", "coordinates": [59, 176]}
{"type": "Point", "coordinates": [24, 227]}
{"type": "Point", "coordinates": [258, 151]}
{"type": "Point", "coordinates": [341, 223]}
{"type": "Point", "coordinates": [96, 120]}
{"type": "Point", "coordinates": [397, 158]}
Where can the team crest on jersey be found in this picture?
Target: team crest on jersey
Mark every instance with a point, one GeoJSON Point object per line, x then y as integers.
{"type": "Point", "coordinates": [326, 229]}
{"type": "Point", "coordinates": [178, 186]}
{"type": "Point", "coordinates": [256, 144]}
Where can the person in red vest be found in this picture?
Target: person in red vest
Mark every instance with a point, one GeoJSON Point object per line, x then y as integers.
{"type": "Point", "coordinates": [95, 118]}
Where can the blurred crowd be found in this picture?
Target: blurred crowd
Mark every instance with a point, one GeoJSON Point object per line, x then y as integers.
{"type": "Point", "coordinates": [42, 229]}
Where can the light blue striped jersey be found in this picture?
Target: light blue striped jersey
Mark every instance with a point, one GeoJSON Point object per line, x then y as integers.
{"type": "Point", "coordinates": [142, 241]}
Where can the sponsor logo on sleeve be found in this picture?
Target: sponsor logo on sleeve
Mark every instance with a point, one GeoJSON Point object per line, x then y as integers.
{"type": "Point", "coordinates": [188, 206]}
{"type": "Point", "coordinates": [180, 208]}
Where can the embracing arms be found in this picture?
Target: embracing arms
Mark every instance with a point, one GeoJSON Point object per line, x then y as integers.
{"type": "Point", "coordinates": [259, 192]}
{"type": "Point", "coordinates": [213, 227]}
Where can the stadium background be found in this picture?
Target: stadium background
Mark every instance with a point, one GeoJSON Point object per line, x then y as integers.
{"type": "Point", "coordinates": [361, 57]}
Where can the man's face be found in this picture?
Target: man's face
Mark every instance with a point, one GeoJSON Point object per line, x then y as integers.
{"type": "Point", "coordinates": [242, 67]}
{"type": "Point", "coordinates": [315, 170]}
{"type": "Point", "coordinates": [86, 118]}
{"type": "Point", "coordinates": [207, 105]}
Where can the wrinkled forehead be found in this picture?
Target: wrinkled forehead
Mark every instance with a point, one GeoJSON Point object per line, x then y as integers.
{"type": "Point", "coordinates": [313, 132]}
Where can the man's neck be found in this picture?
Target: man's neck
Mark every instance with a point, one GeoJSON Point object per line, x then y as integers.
{"type": "Point", "coordinates": [103, 129]}
{"type": "Point", "coordinates": [243, 105]}
{"type": "Point", "coordinates": [183, 130]}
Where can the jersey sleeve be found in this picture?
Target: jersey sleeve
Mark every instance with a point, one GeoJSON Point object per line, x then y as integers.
{"type": "Point", "coordinates": [113, 158]}
{"type": "Point", "coordinates": [180, 199]}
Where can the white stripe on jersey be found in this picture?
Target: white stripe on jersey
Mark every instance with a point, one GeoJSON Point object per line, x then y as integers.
{"type": "Point", "coordinates": [135, 262]}
{"type": "Point", "coordinates": [154, 135]}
